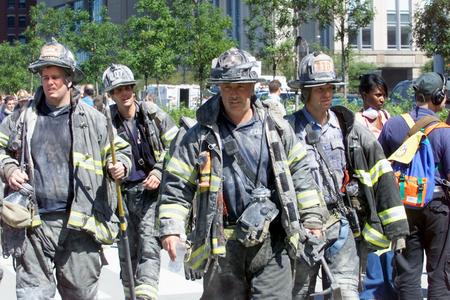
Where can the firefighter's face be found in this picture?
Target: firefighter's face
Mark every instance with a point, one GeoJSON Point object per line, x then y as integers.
{"type": "Point", "coordinates": [55, 84]}
{"type": "Point", "coordinates": [321, 97]}
{"type": "Point", "coordinates": [123, 95]}
{"type": "Point", "coordinates": [236, 96]}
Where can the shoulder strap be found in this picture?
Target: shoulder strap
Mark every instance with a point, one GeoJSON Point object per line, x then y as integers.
{"type": "Point", "coordinates": [435, 126]}
{"type": "Point", "coordinates": [408, 119]}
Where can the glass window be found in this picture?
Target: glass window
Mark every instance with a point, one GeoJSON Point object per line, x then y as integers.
{"type": "Point", "coordinates": [391, 37]}
{"type": "Point", "coordinates": [97, 10]}
{"type": "Point", "coordinates": [78, 4]}
{"type": "Point", "coordinates": [11, 3]}
{"type": "Point", "coordinates": [22, 3]}
{"type": "Point", "coordinates": [404, 18]}
{"type": "Point", "coordinates": [11, 21]}
{"type": "Point", "coordinates": [366, 38]}
{"type": "Point", "coordinates": [391, 17]}
{"type": "Point", "coordinates": [406, 36]}
{"type": "Point", "coordinates": [22, 21]}
{"type": "Point", "coordinates": [22, 39]}
{"type": "Point", "coordinates": [353, 39]}
{"type": "Point", "coordinates": [390, 4]}
{"type": "Point", "coordinates": [402, 4]}
{"type": "Point", "coordinates": [11, 38]}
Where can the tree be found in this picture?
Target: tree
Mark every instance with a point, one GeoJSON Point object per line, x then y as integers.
{"type": "Point", "coordinates": [201, 36]}
{"type": "Point", "coordinates": [431, 29]}
{"type": "Point", "coordinates": [14, 74]}
{"type": "Point", "coordinates": [272, 28]}
{"type": "Point", "coordinates": [347, 17]}
{"type": "Point", "coordinates": [150, 40]}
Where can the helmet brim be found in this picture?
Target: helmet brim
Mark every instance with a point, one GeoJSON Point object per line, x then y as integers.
{"type": "Point", "coordinates": [219, 81]}
{"type": "Point", "coordinates": [37, 66]}
{"type": "Point", "coordinates": [131, 82]}
{"type": "Point", "coordinates": [297, 85]}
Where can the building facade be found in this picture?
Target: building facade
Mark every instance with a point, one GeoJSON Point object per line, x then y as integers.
{"type": "Point", "coordinates": [14, 19]}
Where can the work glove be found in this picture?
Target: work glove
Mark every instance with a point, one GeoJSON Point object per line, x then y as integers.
{"type": "Point", "coordinates": [312, 249]}
{"type": "Point", "coordinates": [191, 274]}
{"type": "Point", "coordinates": [13, 241]}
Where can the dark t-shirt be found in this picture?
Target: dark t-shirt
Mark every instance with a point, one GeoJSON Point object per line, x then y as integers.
{"type": "Point", "coordinates": [51, 145]}
{"type": "Point", "coordinates": [237, 187]}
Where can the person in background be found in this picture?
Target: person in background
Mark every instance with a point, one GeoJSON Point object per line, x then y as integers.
{"type": "Point", "coordinates": [89, 93]}
{"type": "Point", "coordinates": [378, 283]}
{"type": "Point", "coordinates": [23, 97]}
{"type": "Point", "coordinates": [8, 107]}
{"type": "Point", "coordinates": [374, 92]}
{"type": "Point", "coordinates": [274, 96]}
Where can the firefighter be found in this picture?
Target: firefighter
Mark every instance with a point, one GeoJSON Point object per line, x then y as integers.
{"type": "Point", "coordinates": [59, 146]}
{"type": "Point", "coordinates": [340, 146]}
{"type": "Point", "coordinates": [149, 130]}
{"type": "Point", "coordinates": [246, 170]}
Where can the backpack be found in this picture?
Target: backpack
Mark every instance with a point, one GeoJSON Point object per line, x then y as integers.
{"type": "Point", "coordinates": [413, 162]}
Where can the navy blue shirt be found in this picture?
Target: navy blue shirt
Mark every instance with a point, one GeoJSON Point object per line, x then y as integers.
{"type": "Point", "coordinates": [396, 129]}
{"type": "Point", "coordinates": [237, 187]}
{"type": "Point", "coordinates": [51, 148]}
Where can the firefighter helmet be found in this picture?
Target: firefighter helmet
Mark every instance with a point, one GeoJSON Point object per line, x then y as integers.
{"type": "Point", "coordinates": [117, 75]}
{"type": "Point", "coordinates": [234, 65]}
{"type": "Point", "coordinates": [56, 54]}
{"type": "Point", "coordinates": [316, 69]}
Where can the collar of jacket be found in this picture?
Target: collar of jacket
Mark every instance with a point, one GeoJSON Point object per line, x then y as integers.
{"type": "Point", "coordinates": [208, 113]}
{"type": "Point", "coordinates": [346, 118]}
{"type": "Point", "coordinates": [39, 96]}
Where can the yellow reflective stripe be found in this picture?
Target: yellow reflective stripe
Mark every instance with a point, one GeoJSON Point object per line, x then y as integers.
{"type": "Point", "coordinates": [4, 139]}
{"type": "Point", "coordinates": [181, 169]}
{"type": "Point", "coordinates": [307, 199]}
{"type": "Point", "coordinates": [169, 135]}
{"type": "Point", "coordinates": [198, 256]}
{"type": "Point", "coordinates": [392, 214]}
{"type": "Point", "coordinates": [297, 153]}
{"type": "Point", "coordinates": [4, 136]}
{"type": "Point", "coordinates": [173, 211]}
{"type": "Point", "coordinates": [374, 237]}
{"type": "Point", "coordinates": [371, 178]}
{"type": "Point", "coordinates": [3, 156]}
{"type": "Point", "coordinates": [294, 240]}
{"type": "Point", "coordinates": [36, 221]}
{"type": "Point", "coordinates": [216, 249]}
{"type": "Point", "coordinates": [215, 183]}
{"type": "Point", "coordinates": [93, 226]}
{"type": "Point", "coordinates": [119, 144]}
{"type": "Point", "coordinates": [146, 290]}
{"type": "Point", "coordinates": [87, 162]}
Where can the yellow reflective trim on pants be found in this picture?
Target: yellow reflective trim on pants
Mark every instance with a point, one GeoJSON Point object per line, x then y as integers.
{"type": "Point", "coordinates": [4, 141]}
{"type": "Point", "coordinates": [181, 169]}
{"type": "Point", "coordinates": [146, 290]}
{"type": "Point", "coordinates": [198, 257]}
{"type": "Point", "coordinates": [87, 162]}
{"type": "Point", "coordinates": [307, 199]}
{"type": "Point", "coordinates": [173, 211]}
{"type": "Point", "coordinates": [297, 153]}
{"type": "Point", "coordinates": [168, 136]}
{"type": "Point", "coordinates": [216, 249]}
{"type": "Point", "coordinates": [392, 214]}
{"type": "Point", "coordinates": [371, 178]}
{"type": "Point", "coordinates": [36, 221]}
{"type": "Point", "coordinates": [375, 237]}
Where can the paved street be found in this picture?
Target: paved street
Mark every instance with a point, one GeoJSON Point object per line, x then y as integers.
{"type": "Point", "coordinates": [172, 286]}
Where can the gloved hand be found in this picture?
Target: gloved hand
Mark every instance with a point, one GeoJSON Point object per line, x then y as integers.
{"type": "Point", "coordinates": [192, 274]}
{"type": "Point", "coordinates": [398, 244]}
{"type": "Point", "coordinates": [312, 249]}
{"type": "Point", "coordinates": [13, 241]}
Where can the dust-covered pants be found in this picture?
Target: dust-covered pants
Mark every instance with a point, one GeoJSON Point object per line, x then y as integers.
{"type": "Point", "coordinates": [344, 266]}
{"type": "Point", "coordinates": [74, 255]}
{"type": "Point", "coordinates": [260, 272]}
{"type": "Point", "coordinates": [144, 242]}
{"type": "Point", "coordinates": [429, 231]}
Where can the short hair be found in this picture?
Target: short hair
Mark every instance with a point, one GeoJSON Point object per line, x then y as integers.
{"type": "Point", "coordinates": [368, 82]}
{"type": "Point", "coordinates": [89, 90]}
{"type": "Point", "coordinates": [274, 85]}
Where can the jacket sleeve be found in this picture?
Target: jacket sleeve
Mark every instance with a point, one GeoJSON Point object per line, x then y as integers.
{"type": "Point", "coordinates": [380, 176]}
{"type": "Point", "coordinates": [178, 185]}
{"type": "Point", "coordinates": [167, 132]}
{"type": "Point", "coordinates": [312, 209]}
{"type": "Point", "coordinates": [8, 132]}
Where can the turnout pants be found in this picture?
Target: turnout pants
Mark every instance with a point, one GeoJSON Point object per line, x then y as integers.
{"type": "Point", "coordinates": [74, 255]}
{"type": "Point", "coordinates": [145, 246]}
{"type": "Point", "coordinates": [344, 265]}
{"type": "Point", "coordinates": [261, 272]}
{"type": "Point", "coordinates": [429, 231]}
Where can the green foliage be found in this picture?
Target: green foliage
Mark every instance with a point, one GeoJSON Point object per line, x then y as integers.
{"type": "Point", "coordinates": [149, 36]}
{"type": "Point", "coordinates": [14, 74]}
{"type": "Point", "coordinates": [356, 69]}
{"type": "Point", "coordinates": [431, 28]}
{"type": "Point", "coordinates": [177, 113]}
{"type": "Point", "coordinates": [427, 67]}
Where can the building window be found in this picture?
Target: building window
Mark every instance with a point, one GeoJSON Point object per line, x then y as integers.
{"type": "Point", "coordinates": [22, 21]}
{"type": "Point", "coordinates": [22, 3]}
{"type": "Point", "coordinates": [11, 3]}
{"type": "Point", "coordinates": [79, 4]}
{"type": "Point", "coordinates": [361, 38]}
{"type": "Point", "coordinates": [97, 10]}
{"type": "Point", "coordinates": [11, 38]}
{"type": "Point", "coordinates": [398, 24]}
{"type": "Point", "coordinates": [22, 39]}
{"type": "Point", "coordinates": [11, 21]}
